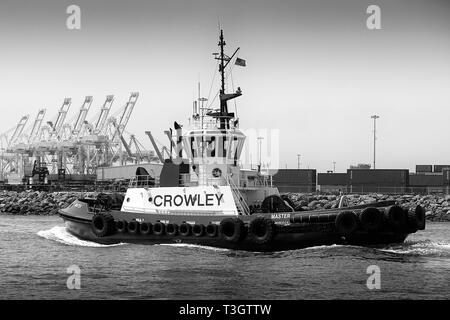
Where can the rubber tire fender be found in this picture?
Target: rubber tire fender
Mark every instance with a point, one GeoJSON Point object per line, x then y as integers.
{"type": "Point", "coordinates": [371, 219]}
{"type": "Point", "coordinates": [159, 228]}
{"type": "Point", "coordinates": [346, 222]}
{"type": "Point", "coordinates": [121, 226]}
{"type": "Point", "coordinates": [185, 229]}
{"type": "Point", "coordinates": [396, 217]}
{"type": "Point", "coordinates": [171, 229]}
{"type": "Point", "coordinates": [198, 230]}
{"type": "Point", "coordinates": [102, 224]}
{"type": "Point", "coordinates": [232, 229]}
{"type": "Point", "coordinates": [212, 230]}
{"type": "Point", "coordinates": [262, 230]}
{"type": "Point", "coordinates": [145, 228]}
{"type": "Point", "coordinates": [416, 218]}
{"type": "Point", "coordinates": [133, 227]}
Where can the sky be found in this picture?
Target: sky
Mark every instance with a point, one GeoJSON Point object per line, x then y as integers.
{"type": "Point", "coordinates": [315, 73]}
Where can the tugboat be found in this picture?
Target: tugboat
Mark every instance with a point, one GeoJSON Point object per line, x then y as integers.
{"type": "Point", "coordinates": [206, 198]}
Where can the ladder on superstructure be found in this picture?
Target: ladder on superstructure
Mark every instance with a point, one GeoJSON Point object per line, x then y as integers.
{"type": "Point", "coordinates": [241, 204]}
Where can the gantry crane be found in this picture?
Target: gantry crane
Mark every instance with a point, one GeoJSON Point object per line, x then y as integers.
{"type": "Point", "coordinates": [18, 131]}
{"type": "Point", "coordinates": [104, 112]}
{"type": "Point", "coordinates": [126, 114]}
{"type": "Point", "coordinates": [36, 126]}
{"type": "Point", "coordinates": [59, 123]}
{"type": "Point", "coordinates": [76, 130]}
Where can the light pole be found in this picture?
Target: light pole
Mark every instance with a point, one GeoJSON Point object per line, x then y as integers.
{"type": "Point", "coordinates": [298, 161]}
{"type": "Point", "coordinates": [260, 147]}
{"type": "Point", "coordinates": [334, 166]}
{"type": "Point", "coordinates": [374, 117]}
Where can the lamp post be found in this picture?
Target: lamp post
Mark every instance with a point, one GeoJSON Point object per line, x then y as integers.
{"type": "Point", "coordinates": [334, 166]}
{"type": "Point", "coordinates": [298, 161]}
{"type": "Point", "coordinates": [374, 117]}
{"type": "Point", "coordinates": [260, 147]}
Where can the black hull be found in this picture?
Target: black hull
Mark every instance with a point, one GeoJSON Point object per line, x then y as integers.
{"type": "Point", "coordinates": [288, 236]}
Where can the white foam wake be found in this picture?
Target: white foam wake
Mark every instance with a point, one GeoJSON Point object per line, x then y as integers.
{"type": "Point", "coordinates": [61, 235]}
{"type": "Point", "coordinates": [421, 248]}
{"type": "Point", "coordinates": [196, 246]}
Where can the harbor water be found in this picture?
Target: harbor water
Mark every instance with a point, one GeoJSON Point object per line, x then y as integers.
{"type": "Point", "coordinates": [38, 256]}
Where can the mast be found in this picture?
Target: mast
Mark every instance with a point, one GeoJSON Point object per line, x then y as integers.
{"type": "Point", "coordinates": [224, 122]}
{"type": "Point", "coordinates": [223, 115]}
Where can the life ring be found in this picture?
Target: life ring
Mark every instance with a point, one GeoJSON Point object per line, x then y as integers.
{"type": "Point", "coordinates": [371, 219]}
{"type": "Point", "coordinates": [185, 229]}
{"type": "Point", "coordinates": [212, 230]}
{"type": "Point", "coordinates": [232, 229]}
{"type": "Point", "coordinates": [262, 230]}
{"type": "Point", "coordinates": [133, 227]}
{"type": "Point", "coordinates": [346, 222]}
{"type": "Point", "coordinates": [416, 218]}
{"type": "Point", "coordinates": [198, 230]}
{"type": "Point", "coordinates": [145, 228]}
{"type": "Point", "coordinates": [159, 228]}
{"type": "Point", "coordinates": [121, 226]}
{"type": "Point", "coordinates": [171, 229]}
{"type": "Point", "coordinates": [102, 224]}
{"type": "Point", "coordinates": [396, 217]}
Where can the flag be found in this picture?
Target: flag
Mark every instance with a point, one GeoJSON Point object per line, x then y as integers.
{"type": "Point", "coordinates": [240, 62]}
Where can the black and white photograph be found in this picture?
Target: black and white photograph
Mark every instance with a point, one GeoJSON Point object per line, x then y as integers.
{"type": "Point", "coordinates": [224, 151]}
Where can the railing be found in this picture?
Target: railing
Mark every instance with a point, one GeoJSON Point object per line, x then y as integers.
{"type": "Point", "coordinates": [143, 181]}
{"type": "Point", "coordinates": [261, 181]}
{"type": "Point", "coordinates": [241, 204]}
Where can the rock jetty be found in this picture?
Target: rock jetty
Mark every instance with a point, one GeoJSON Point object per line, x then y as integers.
{"type": "Point", "coordinates": [30, 202]}
{"type": "Point", "coordinates": [34, 202]}
{"type": "Point", "coordinates": [437, 207]}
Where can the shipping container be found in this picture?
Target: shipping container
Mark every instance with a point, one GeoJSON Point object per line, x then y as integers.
{"type": "Point", "coordinates": [377, 188]}
{"type": "Point", "coordinates": [296, 189]}
{"type": "Point", "coordinates": [425, 180]}
{"type": "Point", "coordinates": [439, 167]}
{"type": "Point", "coordinates": [446, 176]}
{"type": "Point", "coordinates": [127, 172]}
{"type": "Point", "coordinates": [332, 179]}
{"type": "Point", "coordinates": [379, 177]}
{"type": "Point", "coordinates": [294, 177]}
{"type": "Point", "coordinates": [421, 168]}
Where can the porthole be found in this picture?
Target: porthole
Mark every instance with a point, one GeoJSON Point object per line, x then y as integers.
{"type": "Point", "coordinates": [217, 173]}
{"type": "Point", "coordinates": [128, 199]}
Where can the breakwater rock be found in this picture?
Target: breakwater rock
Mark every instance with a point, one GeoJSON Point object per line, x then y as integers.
{"type": "Point", "coordinates": [34, 202]}
{"type": "Point", "coordinates": [437, 207]}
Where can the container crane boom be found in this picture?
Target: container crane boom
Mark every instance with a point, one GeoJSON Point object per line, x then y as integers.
{"type": "Point", "coordinates": [101, 121]}
{"type": "Point", "coordinates": [128, 110]}
{"type": "Point", "coordinates": [127, 147]}
{"type": "Point", "coordinates": [19, 129]}
{"type": "Point", "coordinates": [56, 128]}
{"type": "Point", "coordinates": [158, 153]}
{"type": "Point", "coordinates": [36, 126]}
{"type": "Point", "coordinates": [82, 116]}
